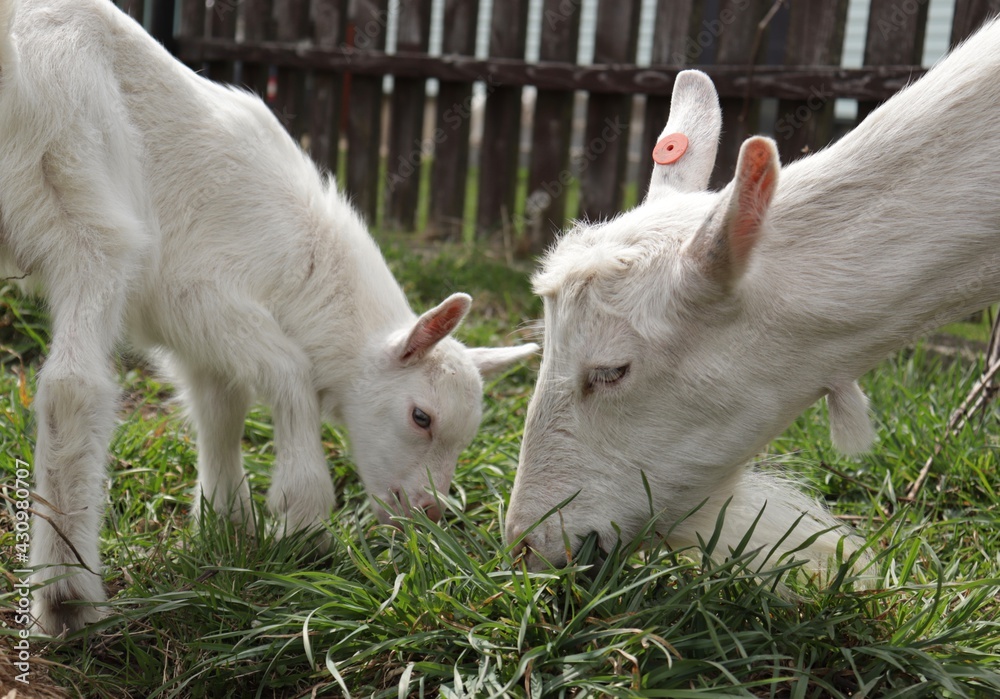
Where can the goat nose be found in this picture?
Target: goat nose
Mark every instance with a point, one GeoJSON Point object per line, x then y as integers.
{"type": "Point", "coordinates": [433, 512]}
{"type": "Point", "coordinates": [429, 505]}
{"type": "Point", "coordinates": [519, 547]}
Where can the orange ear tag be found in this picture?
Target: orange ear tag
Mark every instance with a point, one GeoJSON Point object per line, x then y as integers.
{"type": "Point", "coordinates": [670, 148]}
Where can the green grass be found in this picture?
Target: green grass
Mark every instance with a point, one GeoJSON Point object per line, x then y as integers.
{"type": "Point", "coordinates": [442, 610]}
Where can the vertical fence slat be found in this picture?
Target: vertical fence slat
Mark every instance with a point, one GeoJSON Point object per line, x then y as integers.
{"type": "Point", "coordinates": [161, 24]}
{"type": "Point", "coordinates": [499, 150]}
{"type": "Point", "coordinates": [329, 18]}
{"type": "Point", "coordinates": [735, 29]}
{"type": "Point", "coordinates": [133, 8]}
{"type": "Point", "coordinates": [608, 116]}
{"type": "Point", "coordinates": [192, 22]}
{"type": "Point", "coordinates": [291, 20]}
{"type": "Point", "coordinates": [672, 26]}
{"type": "Point", "coordinates": [969, 16]}
{"type": "Point", "coordinates": [406, 122]}
{"type": "Point", "coordinates": [815, 38]}
{"type": "Point", "coordinates": [222, 25]}
{"type": "Point", "coordinates": [365, 109]}
{"type": "Point", "coordinates": [257, 26]}
{"type": "Point", "coordinates": [450, 169]}
{"type": "Point", "coordinates": [549, 174]}
{"type": "Point", "coordinates": [895, 37]}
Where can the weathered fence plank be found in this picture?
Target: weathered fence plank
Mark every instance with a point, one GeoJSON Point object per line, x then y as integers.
{"type": "Point", "coordinates": [452, 121]}
{"type": "Point", "coordinates": [291, 23]}
{"type": "Point", "coordinates": [736, 28]}
{"type": "Point", "coordinates": [498, 153]}
{"type": "Point", "coordinates": [815, 37]}
{"type": "Point", "coordinates": [549, 173]}
{"type": "Point", "coordinates": [192, 28]}
{"type": "Point", "coordinates": [365, 107]}
{"type": "Point", "coordinates": [133, 8]}
{"type": "Point", "coordinates": [329, 20]}
{"type": "Point", "coordinates": [406, 136]}
{"type": "Point", "coordinates": [258, 26]}
{"type": "Point", "coordinates": [605, 141]}
{"type": "Point", "coordinates": [969, 16]}
{"type": "Point", "coordinates": [222, 25]}
{"type": "Point", "coordinates": [672, 27]}
{"type": "Point", "coordinates": [161, 23]}
{"type": "Point", "coordinates": [895, 37]}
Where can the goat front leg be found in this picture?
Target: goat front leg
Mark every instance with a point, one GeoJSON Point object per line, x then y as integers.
{"type": "Point", "coordinates": [301, 494]}
{"type": "Point", "coordinates": [218, 409]}
{"type": "Point", "coordinates": [240, 340]}
{"type": "Point", "coordinates": [75, 413]}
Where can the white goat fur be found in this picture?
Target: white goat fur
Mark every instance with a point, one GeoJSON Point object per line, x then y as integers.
{"type": "Point", "coordinates": [156, 207]}
{"type": "Point", "coordinates": [736, 310]}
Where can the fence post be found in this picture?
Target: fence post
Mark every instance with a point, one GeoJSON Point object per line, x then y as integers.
{"type": "Point", "coordinates": [133, 8]}
{"type": "Point", "coordinates": [222, 25]}
{"type": "Point", "coordinates": [969, 16]}
{"type": "Point", "coordinates": [500, 146]}
{"type": "Point", "coordinates": [407, 149]}
{"type": "Point", "coordinates": [258, 25]}
{"type": "Point", "coordinates": [609, 116]}
{"type": "Point", "coordinates": [291, 23]}
{"type": "Point", "coordinates": [329, 18]}
{"type": "Point", "coordinates": [735, 30]}
{"type": "Point", "coordinates": [815, 38]}
{"type": "Point", "coordinates": [192, 24]}
{"type": "Point", "coordinates": [894, 38]}
{"type": "Point", "coordinates": [161, 24]}
{"type": "Point", "coordinates": [549, 174]}
{"type": "Point", "coordinates": [366, 33]}
{"type": "Point", "coordinates": [450, 169]}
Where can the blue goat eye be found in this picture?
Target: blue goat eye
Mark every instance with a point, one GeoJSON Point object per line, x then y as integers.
{"type": "Point", "coordinates": [421, 419]}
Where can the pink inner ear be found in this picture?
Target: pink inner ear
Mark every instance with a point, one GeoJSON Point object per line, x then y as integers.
{"type": "Point", "coordinates": [757, 179]}
{"type": "Point", "coordinates": [433, 327]}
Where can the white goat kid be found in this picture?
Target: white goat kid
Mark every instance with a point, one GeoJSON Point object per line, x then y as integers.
{"type": "Point", "coordinates": [155, 206]}
{"type": "Point", "coordinates": [685, 334]}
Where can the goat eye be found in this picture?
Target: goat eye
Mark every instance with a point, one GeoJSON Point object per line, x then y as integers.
{"type": "Point", "coordinates": [608, 376]}
{"type": "Point", "coordinates": [421, 419]}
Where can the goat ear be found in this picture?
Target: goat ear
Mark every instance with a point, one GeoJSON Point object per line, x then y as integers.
{"type": "Point", "coordinates": [433, 326]}
{"type": "Point", "coordinates": [722, 250]}
{"type": "Point", "coordinates": [695, 113]}
{"type": "Point", "coordinates": [491, 360]}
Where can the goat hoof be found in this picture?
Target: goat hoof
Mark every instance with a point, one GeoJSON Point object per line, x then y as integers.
{"type": "Point", "coordinates": [67, 605]}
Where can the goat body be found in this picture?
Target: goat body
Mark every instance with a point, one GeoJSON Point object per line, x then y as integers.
{"type": "Point", "coordinates": [684, 335]}
{"type": "Point", "coordinates": [154, 206]}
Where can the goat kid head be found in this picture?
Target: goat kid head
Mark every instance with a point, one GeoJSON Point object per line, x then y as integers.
{"type": "Point", "coordinates": [658, 357]}
{"type": "Point", "coordinates": [417, 405]}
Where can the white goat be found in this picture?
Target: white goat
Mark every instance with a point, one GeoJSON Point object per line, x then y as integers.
{"type": "Point", "coordinates": [684, 335]}
{"type": "Point", "coordinates": [153, 205]}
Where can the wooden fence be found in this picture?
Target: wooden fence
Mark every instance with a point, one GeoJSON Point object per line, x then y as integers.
{"type": "Point", "coordinates": [410, 161]}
